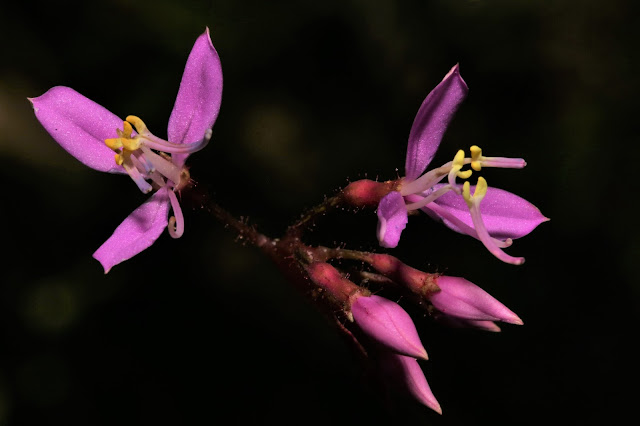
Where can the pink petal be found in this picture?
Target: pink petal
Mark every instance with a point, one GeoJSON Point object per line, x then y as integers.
{"type": "Point", "coordinates": [434, 115]}
{"type": "Point", "coordinates": [388, 324]}
{"type": "Point", "coordinates": [407, 374]}
{"type": "Point", "coordinates": [461, 298]}
{"type": "Point", "coordinates": [198, 101]}
{"type": "Point", "coordinates": [80, 126]}
{"type": "Point", "coordinates": [138, 231]}
{"type": "Point", "coordinates": [458, 322]}
{"type": "Point", "coordinates": [505, 215]}
{"type": "Point", "coordinates": [392, 219]}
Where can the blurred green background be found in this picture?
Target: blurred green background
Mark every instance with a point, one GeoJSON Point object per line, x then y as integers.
{"type": "Point", "coordinates": [204, 330]}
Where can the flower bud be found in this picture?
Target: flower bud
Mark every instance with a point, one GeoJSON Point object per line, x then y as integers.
{"type": "Point", "coordinates": [406, 374]}
{"type": "Point", "coordinates": [388, 324]}
{"type": "Point", "coordinates": [460, 298]}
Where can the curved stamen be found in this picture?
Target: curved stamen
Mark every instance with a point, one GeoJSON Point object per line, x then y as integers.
{"type": "Point", "coordinates": [135, 175]}
{"type": "Point", "coordinates": [458, 162]}
{"type": "Point", "coordinates": [429, 198]}
{"type": "Point", "coordinates": [473, 202]}
{"type": "Point", "coordinates": [462, 226]}
{"type": "Point", "coordinates": [158, 144]}
{"type": "Point", "coordinates": [426, 181]}
{"type": "Point", "coordinates": [478, 160]}
{"type": "Point", "coordinates": [176, 222]}
{"type": "Point", "coordinates": [488, 242]}
{"type": "Point", "coordinates": [504, 162]}
{"type": "Point", "coordinates": [161, 165]}
{"type": "Point", "coordinates": [146, 164]}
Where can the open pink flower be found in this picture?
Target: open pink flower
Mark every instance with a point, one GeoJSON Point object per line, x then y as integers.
{"type": "Point", "coordinates": [502, 216]}
{"type": "Point", "coordinates": [93, 135]}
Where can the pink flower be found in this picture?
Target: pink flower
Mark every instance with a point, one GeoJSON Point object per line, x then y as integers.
{"type": "Point", "coordinates": [502, 216]}
{"type": "Point", "coordinates": [92, 134]}
{"type": "Point", "coordinates": [388, 324]}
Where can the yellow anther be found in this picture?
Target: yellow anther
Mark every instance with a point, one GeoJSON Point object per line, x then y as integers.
{"type": "Point", "coordinates": [114, 144]}
{"type": "Point", "coordinates": [131, 144]}
{"type": "Point", "coordinates": [481, 189]}
{"type": "Point", "coordinates": [119, 159]}
{"type": "Point", "coordinates": [476, 158]}
{"type": "Point", "coordinates": [466, 193]}
{"type": "Point", "coordinates": [478, 194]}
{"type": "Point", "coordinates": [137, 123]}
{"type": "Point", "coordinates": [458, 160]}
{"type": "Point", "coordinates": [476, 152]}
{"type": "Point", "coordinates": [464, 175]}
{"type": "Point", "coordinates": [127, 129]}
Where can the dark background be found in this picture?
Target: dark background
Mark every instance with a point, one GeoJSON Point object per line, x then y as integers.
{"type": "Point", "coordinates": [204, 330]}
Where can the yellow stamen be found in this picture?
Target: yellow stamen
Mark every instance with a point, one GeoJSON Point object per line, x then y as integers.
{"type": "Point", "coordinates": [476, 158]}
{"type": "Point", "coordinates": [458, 160]}
{"type": "Point", "coordinates": [114, 144]}
{"type": "Point", "coordinates": [127, 129]}
{"type": "Point", "coordinates": [464, 175]}
{"type": "Point", "coordinates": [119, 159]}
{"type": "Point", "coordinates": [466, 193]}
{"type": "Point", "coordinates": [131, 144]}
{"type": "Point", "coordinates": [124, 142]}
{"type": "Point", "coordinates": [137, 123]}
{"type": "Point", "coordinates": [478, 194]}
{"type": "Point", "coordinates": [481, 189]}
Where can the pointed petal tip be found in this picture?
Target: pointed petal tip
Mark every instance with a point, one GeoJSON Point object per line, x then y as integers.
{"type": "Point", "coordinates": [208, 33]}
{"type": "Point", "coordinates": [424, 356]}
{"type": "Point", "coordinates": [104, 264]}
{"type": "Point", "coordinates": [455, 70]}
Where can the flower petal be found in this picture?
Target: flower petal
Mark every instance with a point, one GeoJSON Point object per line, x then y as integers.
{"type": "Point", "coordinates": [80, 126]}
{"type": "Point", "coordinates": [461, 298]}
{"type": "Point", "coordinates": [432, 120]}
{"type": "Point", "coordinates": [457, 322]}
{"type": "Point", "coordinates": [406, 373]}
{"type": "Point", "coordinates": [198, 101]}
{"type": "Point", "coordinates": [392, 219]}
{"type": "Point", "coordinates": [138, 231]}
{"type": "Point", "coordinates": [505, 215]}
{"type": "Point", "coordinates": [388, 324]}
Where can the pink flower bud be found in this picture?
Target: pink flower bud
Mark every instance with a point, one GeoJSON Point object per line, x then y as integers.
{"type": "Point", "coordinates": [388, 324]}
{"type": "Point", "coordinates": [407, 375]}
{"type": "Point", "coordinates": [366, 192]}
{"type": "Point", "coordinates": [460, 298]}
{"type": "Point", "coordinates": [457, 322]}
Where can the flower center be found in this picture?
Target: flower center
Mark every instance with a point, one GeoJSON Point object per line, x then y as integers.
{"type": "Point", "coordinates": [136, 154]}
{"type": "Point", "coordinates": [422, 191]}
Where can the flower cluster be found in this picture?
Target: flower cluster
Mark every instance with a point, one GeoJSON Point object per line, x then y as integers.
{"type": "Point", "coordinates": [382, 329]}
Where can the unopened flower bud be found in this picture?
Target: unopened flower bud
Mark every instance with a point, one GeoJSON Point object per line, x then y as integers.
{"type": "Point", "coordinates": [460, 298]}
{"type": "Point", "coordinates": [406, 374]}
{"type": "Point", "coordinates": [388, 324]}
